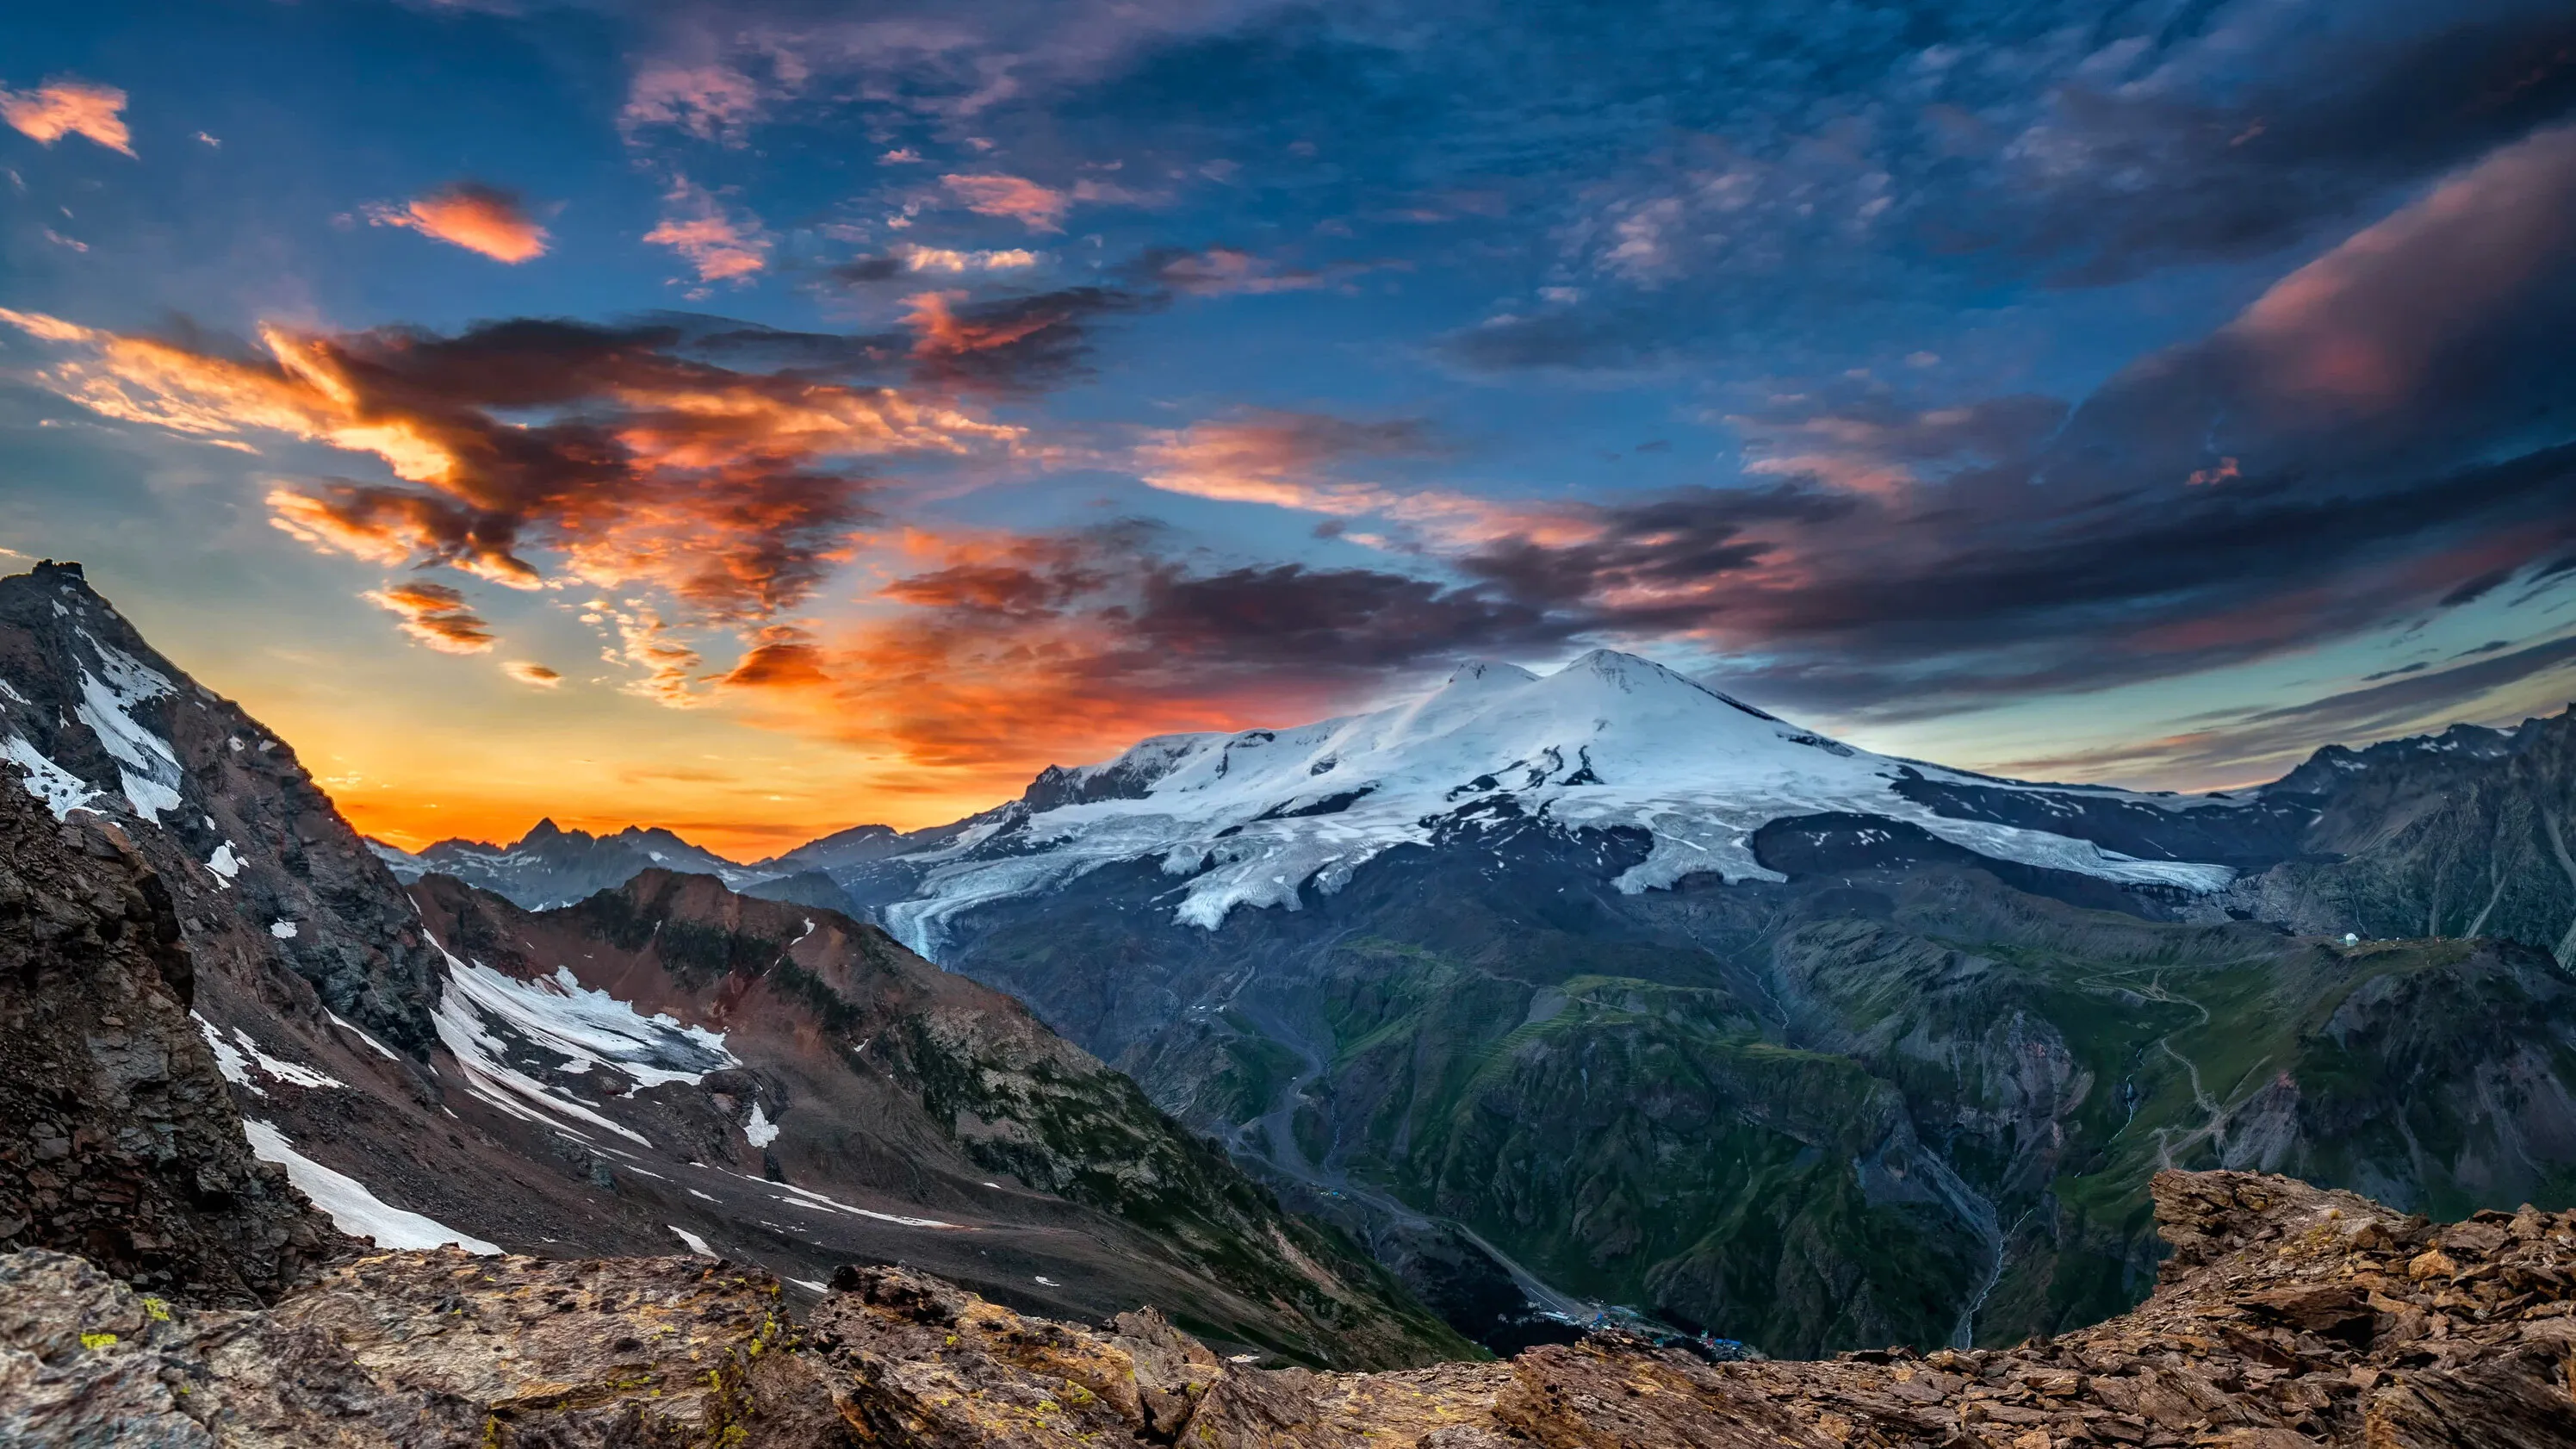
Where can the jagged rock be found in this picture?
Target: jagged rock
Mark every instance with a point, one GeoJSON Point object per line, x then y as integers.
{"type": "Point", "coordinates": [117, 1140]}
{"type": "Point", "coordinates": [2288, 1317]}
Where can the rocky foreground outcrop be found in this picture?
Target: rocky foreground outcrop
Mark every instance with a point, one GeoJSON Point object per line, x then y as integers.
{"type": "Point", "coordinates": [2287, 1316]}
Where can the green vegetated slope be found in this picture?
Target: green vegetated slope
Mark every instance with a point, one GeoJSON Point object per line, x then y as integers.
{"type": "Point", "coordinates": [1816, 1118]}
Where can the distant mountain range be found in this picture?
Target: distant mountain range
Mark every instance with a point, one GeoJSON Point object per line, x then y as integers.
{"type": "Point", "coordinates": [1597, 990]}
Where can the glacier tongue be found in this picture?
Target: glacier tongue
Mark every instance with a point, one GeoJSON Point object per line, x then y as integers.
{"type": "Point", "coordinates": [1608, 741]}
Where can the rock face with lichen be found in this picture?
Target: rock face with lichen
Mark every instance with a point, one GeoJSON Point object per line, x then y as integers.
{"type": "Point", "coordinates": [2286, 1316]}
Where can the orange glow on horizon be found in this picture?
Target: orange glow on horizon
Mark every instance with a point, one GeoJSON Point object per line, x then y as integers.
{"type": "Point", "coordinates": [414, 819]}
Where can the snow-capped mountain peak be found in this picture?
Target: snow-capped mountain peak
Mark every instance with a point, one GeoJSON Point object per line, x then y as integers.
{"type": "Point", "coordinates": [1609, 741]}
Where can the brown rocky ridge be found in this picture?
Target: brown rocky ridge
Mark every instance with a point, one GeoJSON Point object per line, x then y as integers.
{"type": "Point", "coordinates": [2286, 1316]}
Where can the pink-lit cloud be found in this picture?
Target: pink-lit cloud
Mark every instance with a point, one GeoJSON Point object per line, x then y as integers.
{"type": "Point", "coordinates": [64, 106]}
{"type": "Point", "coordinates": [711, 101]}
{"type": "Point", "coordinates": [1039, 208]}
{"type": "Point", "coordinates": [719, 244]}
{"type": "Point", "coordinates": [2368, 322]}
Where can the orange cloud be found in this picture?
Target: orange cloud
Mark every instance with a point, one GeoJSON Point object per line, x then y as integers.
{"type": "Point", "coordinates": [530, 453]}
{"type": "Point", "coordinates": [941, 331]}
{"type": "Point", "coordinates": [999, 655]}
{"type": "Point", "coordinates": [1299, 461]}
{"type": "Point", "coordinates": [436, 615]}
{"type": "Point", "coordinates": [471, 215]}
{"type": "Point", "coordinates": [67, 107]}
{"type": "Point", "coordinates": [721, 248]}
{"type": "Point", "coordinates": [1036, 207]}
{"type": "Point", "coordinates": [529, 672]}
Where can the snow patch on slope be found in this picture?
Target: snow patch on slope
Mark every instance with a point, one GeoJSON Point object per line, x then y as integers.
{"type": "Point", "coordinates": [62, 791]}
{"type": "Point", "coordinates": [353, 1209]}
{"type": "Point", "coordinates": [483, 1012]}
{"type": "Point", "coordinates": [146, 763]}
{"type": "Point", "coordinates": [236, 1058]}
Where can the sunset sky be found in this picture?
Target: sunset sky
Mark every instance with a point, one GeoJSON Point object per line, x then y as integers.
{"type": "Point", "coordinates": [761, 418]}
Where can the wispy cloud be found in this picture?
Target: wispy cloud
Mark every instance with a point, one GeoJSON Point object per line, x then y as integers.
{"type": "Point", "coordinates": [1039, 208]}
{"type": "Point", "coordinates": [711, 101]}
{"type": "Point", "coordinates": [531, 673]}
{"type": "Point", "coordinates": [721, 245]}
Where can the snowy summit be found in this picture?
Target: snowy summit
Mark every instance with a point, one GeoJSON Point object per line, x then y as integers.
{"type": "Point", "coordinates": [1610, 740]}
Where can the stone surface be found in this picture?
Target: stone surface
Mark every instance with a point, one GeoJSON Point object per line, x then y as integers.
{"type": "Point", "coordinates": [117, 1140]}
{"type": "Point", "coordinates": [2287, 1316]}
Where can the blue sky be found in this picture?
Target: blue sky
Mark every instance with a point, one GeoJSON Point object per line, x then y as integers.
{"type": "Point", "coordinates": [767, 417]}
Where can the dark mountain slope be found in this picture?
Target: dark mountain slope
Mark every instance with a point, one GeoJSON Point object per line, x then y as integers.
{"type": "Point", "coordinates": [282, 906]}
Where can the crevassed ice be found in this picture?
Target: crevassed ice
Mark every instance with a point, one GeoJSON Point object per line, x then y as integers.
{"type": "Point", "coordinates": [353, 1209]}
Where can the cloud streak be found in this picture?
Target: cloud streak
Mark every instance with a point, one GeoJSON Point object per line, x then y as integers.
{"type": "Point", "coordinates": [1039, 208]}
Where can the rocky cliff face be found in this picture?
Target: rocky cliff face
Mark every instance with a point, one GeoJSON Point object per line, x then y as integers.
{"type": "Point", "coordinates": [2468, 833]}
{"type": "Point", "coordinates": [117, 1140]}
{"type": "Point", "coordinates": [2285, 1317]}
